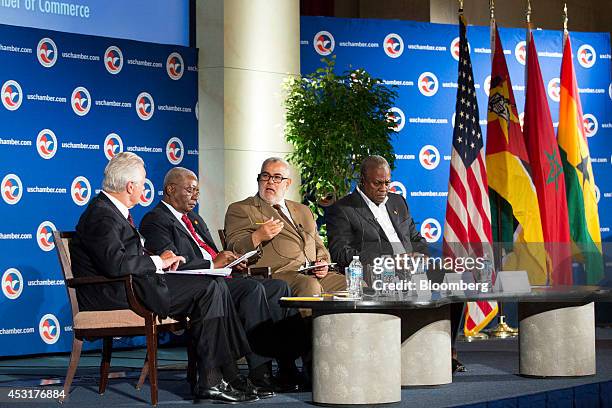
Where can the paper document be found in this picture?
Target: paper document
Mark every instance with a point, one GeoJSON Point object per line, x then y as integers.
{"type": "Point", "coordinates": [211, 272]}
{"type": "Point", "coordinates": [307, 268]}
{"type": "Point", "coordinates": [242, 258]}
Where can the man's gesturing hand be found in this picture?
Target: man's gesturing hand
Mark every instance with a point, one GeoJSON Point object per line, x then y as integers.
{"type": "Point", "coordinates": [266, 231]}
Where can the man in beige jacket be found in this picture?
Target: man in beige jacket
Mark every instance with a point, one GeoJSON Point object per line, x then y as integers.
{"type": "Point", "coordinates": [285, 231]}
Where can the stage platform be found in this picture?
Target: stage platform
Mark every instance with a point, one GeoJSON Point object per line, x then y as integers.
{"type": "Point", "coordinates": [491, 381]}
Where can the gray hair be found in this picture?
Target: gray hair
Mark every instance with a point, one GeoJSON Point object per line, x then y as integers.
{"type": "Point", "coordinates": [372, 162]}
{"type": "Point", "coordinates": [270, 160]}
{"type": "Point", "coordinates": [177, 173]}
{"type": "Point", "coordinates": [120, 170]}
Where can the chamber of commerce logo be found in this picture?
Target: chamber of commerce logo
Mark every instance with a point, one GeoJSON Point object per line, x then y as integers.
{"type": "Point", "coordinates": [46, 51]}
{"type": "Point", "coordinates": [431, 230]}
{"type": "Point", "coordinates": [393, 45]}
{"type": "Point", "coordinates": [80, 190]}
{"type": "Point", "coordinates": [396, 118]}
{"type": "Point", "coordinates": [520, 52]}
{"type": "Point", "coordinates": [428, 84]}
{"type": "Point", "coordinates": [12, 189]}
{"type": "Point", "coordinates": [429, 157]}
{"type": "Point", "coordinates": [46, 144]}
{"type": "Point", "coordinates": [145, 107]}
{"type": "Point", "coordinates": [597, 193]}
{"type": "Point", "coordinates": [324, 43]}
{"type": "Point", "coordinates": [11, 95]}
{"type": "Point", "coordinates": [590, 125]}
{"type": "Point", "coordinates": [174, 66]}
{"type": "Point", "coordinates": [454, 48]}
{"type": "Point", "coordinates": [148, 193]}
{"type": "Point", "coordinates": [44, 236]}
{"type": "Point", "coordinates": [554, 89]}
{"type": "Point", "coordinates": [397, 188]}
{"type": "Point", "coordinates": [486, 85]}
{"type": "Point", "coordinates": [586, 56]}
{"type": "Point", "coordinates": [49, 329]}
{"type": "Point", "coordinates": [12, 283]}
{"type": "Point", "coordinates": [113, 145]}
{"type": "Point", "coordinates": [113, 60]}
{"type": "Point", "coordinates": [174, 150]}
{"type": "Point", "coordinates": [80, 101]}
{"type": "Point", "coordinates": [196, 110]}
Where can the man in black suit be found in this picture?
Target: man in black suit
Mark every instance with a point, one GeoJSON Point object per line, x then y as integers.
{"type": "Point", "coordinates": [107, 243]}
{"type": "Point", "coordinates": [173, 225]}
{"type": "Point", "coordinates": [370, 222]}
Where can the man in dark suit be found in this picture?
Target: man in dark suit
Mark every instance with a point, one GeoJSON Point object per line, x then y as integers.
{"type": "Point", "coordinates": [173, 225]}
{"type": "Point", "coordinates": [370, 222]}
{"type": "Point", "coordinates": [107, 243]}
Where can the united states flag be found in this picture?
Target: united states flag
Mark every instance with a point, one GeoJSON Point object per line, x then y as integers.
{"type": "Point", "coordinates": [467, 230]}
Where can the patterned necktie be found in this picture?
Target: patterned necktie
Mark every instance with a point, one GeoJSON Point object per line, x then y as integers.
{"type": "Point", "coordinates": [280, 212]}
{"type": "Point", "coordinates": [195, 236]}
{"type": "Point", "coordinates": [131, 220]}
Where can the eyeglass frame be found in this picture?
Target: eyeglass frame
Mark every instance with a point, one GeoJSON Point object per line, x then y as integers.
{"type": "Point", "coordinates": [190, 190]}
{"type": "Point", "coordinates": [276, 179]}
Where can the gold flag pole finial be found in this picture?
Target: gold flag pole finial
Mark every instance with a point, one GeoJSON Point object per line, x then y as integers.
{"type": "Point", "coordinates": [492, 9]}
{"type": "Point", "coordinates": [460, 6]}
{"type": "Point", "coordinates": [565, 17]}
{"type": "Point", "coordinates": [528, 12]}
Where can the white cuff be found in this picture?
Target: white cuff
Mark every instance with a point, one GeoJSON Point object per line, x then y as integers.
{"type": "Point", "coordinates": [158, 263]}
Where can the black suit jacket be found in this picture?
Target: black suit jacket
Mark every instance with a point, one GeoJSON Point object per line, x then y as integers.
{"type": "Point", "coordinates": [353, 230]}
{"type": "Point", "coordinates": [162, 231]}
{"type": "Point", "coordinates": [106, 244]}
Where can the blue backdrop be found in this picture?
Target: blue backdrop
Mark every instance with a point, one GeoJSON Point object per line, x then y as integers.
{"type": "Point", "coordinates": [69, 103]}
{"type": "Point", "coordinates": [421, 58]}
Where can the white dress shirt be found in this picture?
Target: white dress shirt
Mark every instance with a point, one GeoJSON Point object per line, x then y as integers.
{"type": "Point", "coordinates": [179, 216]}
{"type": "Point", "coordinates": [382, 217]}
{"type": "Point", "coordinates": [285, 210]}
{"type": "Point", "coordinates": [125, 212]}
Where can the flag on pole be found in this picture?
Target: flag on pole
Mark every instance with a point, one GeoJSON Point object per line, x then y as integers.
{"type": "Point", "coordinates": [514, 202]}
{"type": "Point", "coordinates": [579, 181]}
{"type": "Point", "coordinates": [467, 230]}
{"type": "Point", "coordinates": [547, 172]}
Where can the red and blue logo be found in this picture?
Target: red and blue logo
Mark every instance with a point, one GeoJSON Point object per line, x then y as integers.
{"type": "Point", "coordinates": [145, 106]}
{"type": "Point", "coordinates": [520, 52]}
{"type": "Point", "coordinates": [49, 329]}
{"type": "Point", "coordinates": [554, 89]}
{"type": "Point", "coordinates": [46, 144]}
{"type": "Point", "coordinates": [586, 56]}
{"type": "Point", "coordinates": [397, 119]}
{"type": "Point", "coordinates": [80, 101]}
{"type": "Point", "coordinates": [11, 95]}
{"type": "Point", "coordinates": [12, 283]}
{"type": "Point", "coordinates": [12, 189]}
{"type": "Point", "coordinates": [148, 193]}
{"type": "Point", "coordinates": [175, 66]}
{"type": "Point", "coordinates": [113, 60]}
{"type": "Point", "coordinates": [590, 125]}
{"type": "Point", "coordinates": [429, 157]}
{"type": "Point", "coordinates": [431, 230]}
{"type": "Point", "coordinates": [175, 151]}
{"type": "Point", "coordinates": [80, 190]}
{"type": "Point", "coordinates": [46, 51]}
{"type": "Point", "coordinates": [428, 84]}
{"type": "Point", "coordinates": [44, 236]}
{"type": "Point", "coordinates": [486, 85]}
{"type": "Point", "coordinates": [393, 45]}
{"type": "Point", "coordinates": [397, 188]}
{"type": "Point", "coordinates": [113, 145]}
{"type": "Point", "coordinates": [324, 43]}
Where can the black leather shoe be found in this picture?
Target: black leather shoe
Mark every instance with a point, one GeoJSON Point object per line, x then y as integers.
{"type": "Point", "coordinates": [242, 383]}
{"type": "Point", "coordinates": [223, 392]}
{"type": "Point", "coordinates": [458, 366]}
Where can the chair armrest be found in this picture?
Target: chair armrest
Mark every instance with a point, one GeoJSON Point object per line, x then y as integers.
{"type": "Point", "coordinates": [263, 272]}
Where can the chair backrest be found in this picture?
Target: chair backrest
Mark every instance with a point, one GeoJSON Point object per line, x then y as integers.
{"type": "Point", "coordinates": [62, 246]}
{"type": "Point", "coordinates": [222, 238]}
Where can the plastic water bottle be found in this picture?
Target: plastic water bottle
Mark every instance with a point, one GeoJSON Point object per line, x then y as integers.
{"type": "Point", "coordinates": [388, 277]}
{"type": "Point", "coordinates": [486, 274]}
{"type": "Point", "coordinates": [355, 270]}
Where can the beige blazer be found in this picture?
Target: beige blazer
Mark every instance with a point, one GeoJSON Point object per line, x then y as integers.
{"type": "Point", "coordinates": [285, 252]}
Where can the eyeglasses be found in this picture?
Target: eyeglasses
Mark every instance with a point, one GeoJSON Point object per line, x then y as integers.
{"type": "Point", "coordinates": [190, 190]}
{"type": "Point", "coordinates": [275, 178]}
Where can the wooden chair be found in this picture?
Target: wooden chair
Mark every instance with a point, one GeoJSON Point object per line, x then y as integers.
{"type": "Point", "coordinates": [92, 325]}
{"type": "Point", "coordinates": [259, 272]}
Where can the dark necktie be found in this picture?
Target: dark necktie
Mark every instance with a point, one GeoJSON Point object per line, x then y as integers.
{"type": "Point", "coordinates": [195, 236]}
{"type": "Point", "coordinates": [280, 212]}
{"type": "Point", "coordinates": [131, 220]}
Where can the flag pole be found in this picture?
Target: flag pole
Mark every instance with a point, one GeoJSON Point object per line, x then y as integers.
{"type": "Point", "coordinates": [501, 330]}
{"type": "Point", "coordinates": [565, 19]}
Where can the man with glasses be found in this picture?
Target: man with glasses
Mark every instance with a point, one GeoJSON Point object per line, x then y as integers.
{"type": "Point", "coordinates": [173, 225]}
{"type": "Point", "coordinates": [284, 230]}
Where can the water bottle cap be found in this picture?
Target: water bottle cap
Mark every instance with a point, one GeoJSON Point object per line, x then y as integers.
{"type": "Point", "coordinates": [356, 257]}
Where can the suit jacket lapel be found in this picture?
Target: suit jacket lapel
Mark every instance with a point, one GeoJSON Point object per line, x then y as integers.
{"type": "Point", "coordinates": [364, 211]}
{"type": "Point", "coordinates": [177, 223]}
{"type": "Point", "coordinates": [106, 201]}
{"type": "Point", "coordinates": [268, 211]}
{"type": "Point", "coordinates": [202, 229]}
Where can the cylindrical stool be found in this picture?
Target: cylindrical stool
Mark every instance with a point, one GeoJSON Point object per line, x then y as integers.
{"type": "Point", "coordinates": [356, 358]}
{"type": "Point", "coordinates": [426, 346]}
{"type": "Point", "coordinates": [556, 339]}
